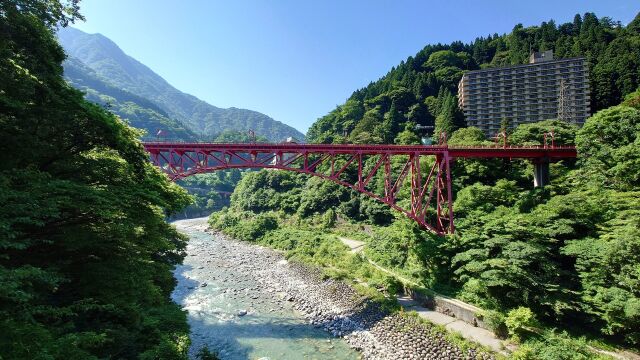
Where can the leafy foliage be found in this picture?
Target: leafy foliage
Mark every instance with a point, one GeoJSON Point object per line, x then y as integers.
{"type": "Point", "coordinates": [609, 146]}
{"type": "Point", "coordinates": [568, 255]}
{"type": "Point", "coordinates": [86, 253]}
{"type": "Point", "coordinates": [556, 347]}
{"type": "Point", "coordinates": [518, 321]}
{"type": "Point", "coordinates": [419, 89]}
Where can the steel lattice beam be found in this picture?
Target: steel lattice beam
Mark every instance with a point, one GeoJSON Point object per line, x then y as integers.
{"type": "Point", "coordinates": [427, 168]}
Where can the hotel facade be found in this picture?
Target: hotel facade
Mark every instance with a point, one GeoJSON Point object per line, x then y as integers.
{"type": "Point", "coordinates": [546, 88]}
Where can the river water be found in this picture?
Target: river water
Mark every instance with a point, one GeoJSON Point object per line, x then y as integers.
{"type": "Point", "coordinates": [217, 284]}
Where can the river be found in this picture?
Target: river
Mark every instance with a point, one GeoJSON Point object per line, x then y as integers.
{"type": "Point", "coordinates": [234, 313]}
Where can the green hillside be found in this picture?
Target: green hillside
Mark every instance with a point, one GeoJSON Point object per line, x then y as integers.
{"type": "Point", "coordinates": [420, 89]}
{"type": "Point", "coordinates": [121, 71]}
{"type": "Point", "coordinates": [555, 268]}
{"type": "Point", "coordinates": [138, 111]}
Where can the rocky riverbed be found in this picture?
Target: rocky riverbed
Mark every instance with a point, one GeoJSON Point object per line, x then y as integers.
{"type": "Point", "coordinates": [259, 278]}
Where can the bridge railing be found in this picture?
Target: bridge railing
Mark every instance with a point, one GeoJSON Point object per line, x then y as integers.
{"type": "Point", "coordinates": [510, 146]}
{"type": "Point", "coordinates": [496, 146]}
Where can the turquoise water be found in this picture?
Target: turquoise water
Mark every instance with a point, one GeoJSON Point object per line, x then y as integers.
{"type": "Point", "coordinates": [271, 329]}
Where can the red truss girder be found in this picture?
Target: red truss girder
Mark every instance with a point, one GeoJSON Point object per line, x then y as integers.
{"type": "Point", "coordinates": [424, 169]}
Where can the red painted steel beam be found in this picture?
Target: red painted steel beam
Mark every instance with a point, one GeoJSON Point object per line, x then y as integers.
{"type": "Point", "coordinates": [514, 152]}
{"type": "Point", "coordinates": [454, 151]}
{"type": "Point", "coordinates": [431, 195]}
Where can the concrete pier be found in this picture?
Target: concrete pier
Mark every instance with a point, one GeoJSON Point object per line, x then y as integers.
{"type": "Point", "coordinates": [541, 173]}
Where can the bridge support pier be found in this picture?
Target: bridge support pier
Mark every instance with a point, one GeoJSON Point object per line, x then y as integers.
{"type": "Point", "coordinates": [541, 173]}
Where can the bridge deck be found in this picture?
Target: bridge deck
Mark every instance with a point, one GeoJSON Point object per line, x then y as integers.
{"type": "Point", "coordinates": [538, 151]}
{"type": "Point", "coordinates": [355, 166]}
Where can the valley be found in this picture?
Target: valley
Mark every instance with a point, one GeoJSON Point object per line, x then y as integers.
{"type": "Point", "coordinates": [457, 195]}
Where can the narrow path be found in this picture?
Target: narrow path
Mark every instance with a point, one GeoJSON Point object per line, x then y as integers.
{"type": "Point", "coordinates": [355, 246]}
{"type": "Point", "coordinates": [466, 330]}
{"type": "Point", "coordinates": [482, 336]}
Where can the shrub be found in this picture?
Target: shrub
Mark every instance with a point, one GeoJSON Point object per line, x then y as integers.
{"type": "Point", "coordinates": [329, 219]}
{"type": "Point", "coordinates": [389, 283]}
{"type": "Point", "coordinates": [524, 352]}
{"type": "Point", "coordinates": [205, 354]}
{"type": "Point", "coordinates": [495, 320]}
{"type": "Point", "coordinates": [243, 225]}
{"type": "Point", "coordinates": [556, 347]}
{"type": "Point", "coordinates": [518, 321]}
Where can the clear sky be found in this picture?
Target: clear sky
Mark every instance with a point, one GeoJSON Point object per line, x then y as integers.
{"type": "Point", "coordinates": [296, 60]}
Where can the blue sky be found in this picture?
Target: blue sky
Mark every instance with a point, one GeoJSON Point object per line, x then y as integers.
{"type": "Point", "coordinates": [296, 60]}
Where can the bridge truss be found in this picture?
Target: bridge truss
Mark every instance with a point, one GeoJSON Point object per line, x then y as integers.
{"type": "Point", "coordinates": [379, 171]}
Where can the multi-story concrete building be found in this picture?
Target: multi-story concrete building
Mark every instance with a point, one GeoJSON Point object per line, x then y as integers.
{"type": "Point", "coordinates": [543, 89]}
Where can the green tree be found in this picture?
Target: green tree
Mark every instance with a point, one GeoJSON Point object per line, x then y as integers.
{"type": "Point", "coordinates": [365, 129]}
{"type": "Point", "coordinates": [447, 58]}
{"type": "Point", "coordinates": [87, 254]}
{"type": "Point", "coordinates": [608, 144]}
{"type": "Point", "coordinates": [408, 136]}
{"type": "Point", "coordinates": [467, 136]}
{"type": "Point", "coordinates": [533, 133]}
{"type": "Point", "coordinates": [448, 119]}
{"type": "Point", "coordinates": [393, 120]}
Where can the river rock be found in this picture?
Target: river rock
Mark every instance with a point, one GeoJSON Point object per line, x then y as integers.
{"type": "Point", "coordinates": [333, 305]}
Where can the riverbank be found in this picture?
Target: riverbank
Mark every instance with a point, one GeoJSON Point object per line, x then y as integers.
{"type": "Point", "coordinates": [328, 305]}
{"type": "Point", "coordinates": [233, 314]}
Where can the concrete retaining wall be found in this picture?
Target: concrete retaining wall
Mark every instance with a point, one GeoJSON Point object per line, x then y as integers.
{"type": "Point", "coordinates": [452, 307]}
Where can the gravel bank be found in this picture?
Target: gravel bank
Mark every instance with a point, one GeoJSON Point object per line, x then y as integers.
{"type": "Point", "coordinates": [336, 307]}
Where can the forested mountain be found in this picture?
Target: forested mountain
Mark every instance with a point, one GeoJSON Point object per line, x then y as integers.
{"type": "Point", "coordinates": [421, 89]}
{"type": "Point", "coordinates": [113, 67]}
{"type": "Point", "coordinates": [138, 111]}
{"type": "Point", "coordinates": [563, 257]}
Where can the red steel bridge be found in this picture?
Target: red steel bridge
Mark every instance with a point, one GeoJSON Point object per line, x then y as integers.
{"type": "Point", "coordinates": [379, 171]}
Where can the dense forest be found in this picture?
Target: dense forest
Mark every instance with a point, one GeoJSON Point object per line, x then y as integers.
{"type": "Point", "coordinates": [562, 257]}
{"type": "Point", "coordinates": [86, 260]}
{"type": "Point", "coordinates": [421, 90]}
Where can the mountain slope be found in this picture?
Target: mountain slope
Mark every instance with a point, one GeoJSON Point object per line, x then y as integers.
{"type": "Point", "coordinates": [138, 111]}
{"type": "Point", "coordinates": [109, 62]}
{"type": "Point", "coordinates": [421, 89]}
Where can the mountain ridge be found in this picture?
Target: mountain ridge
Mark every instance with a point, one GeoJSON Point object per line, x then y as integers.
{"type": "Point", "coordinates": [139, 112]}
{"type": "Point", "coordinates": [116, 68]}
